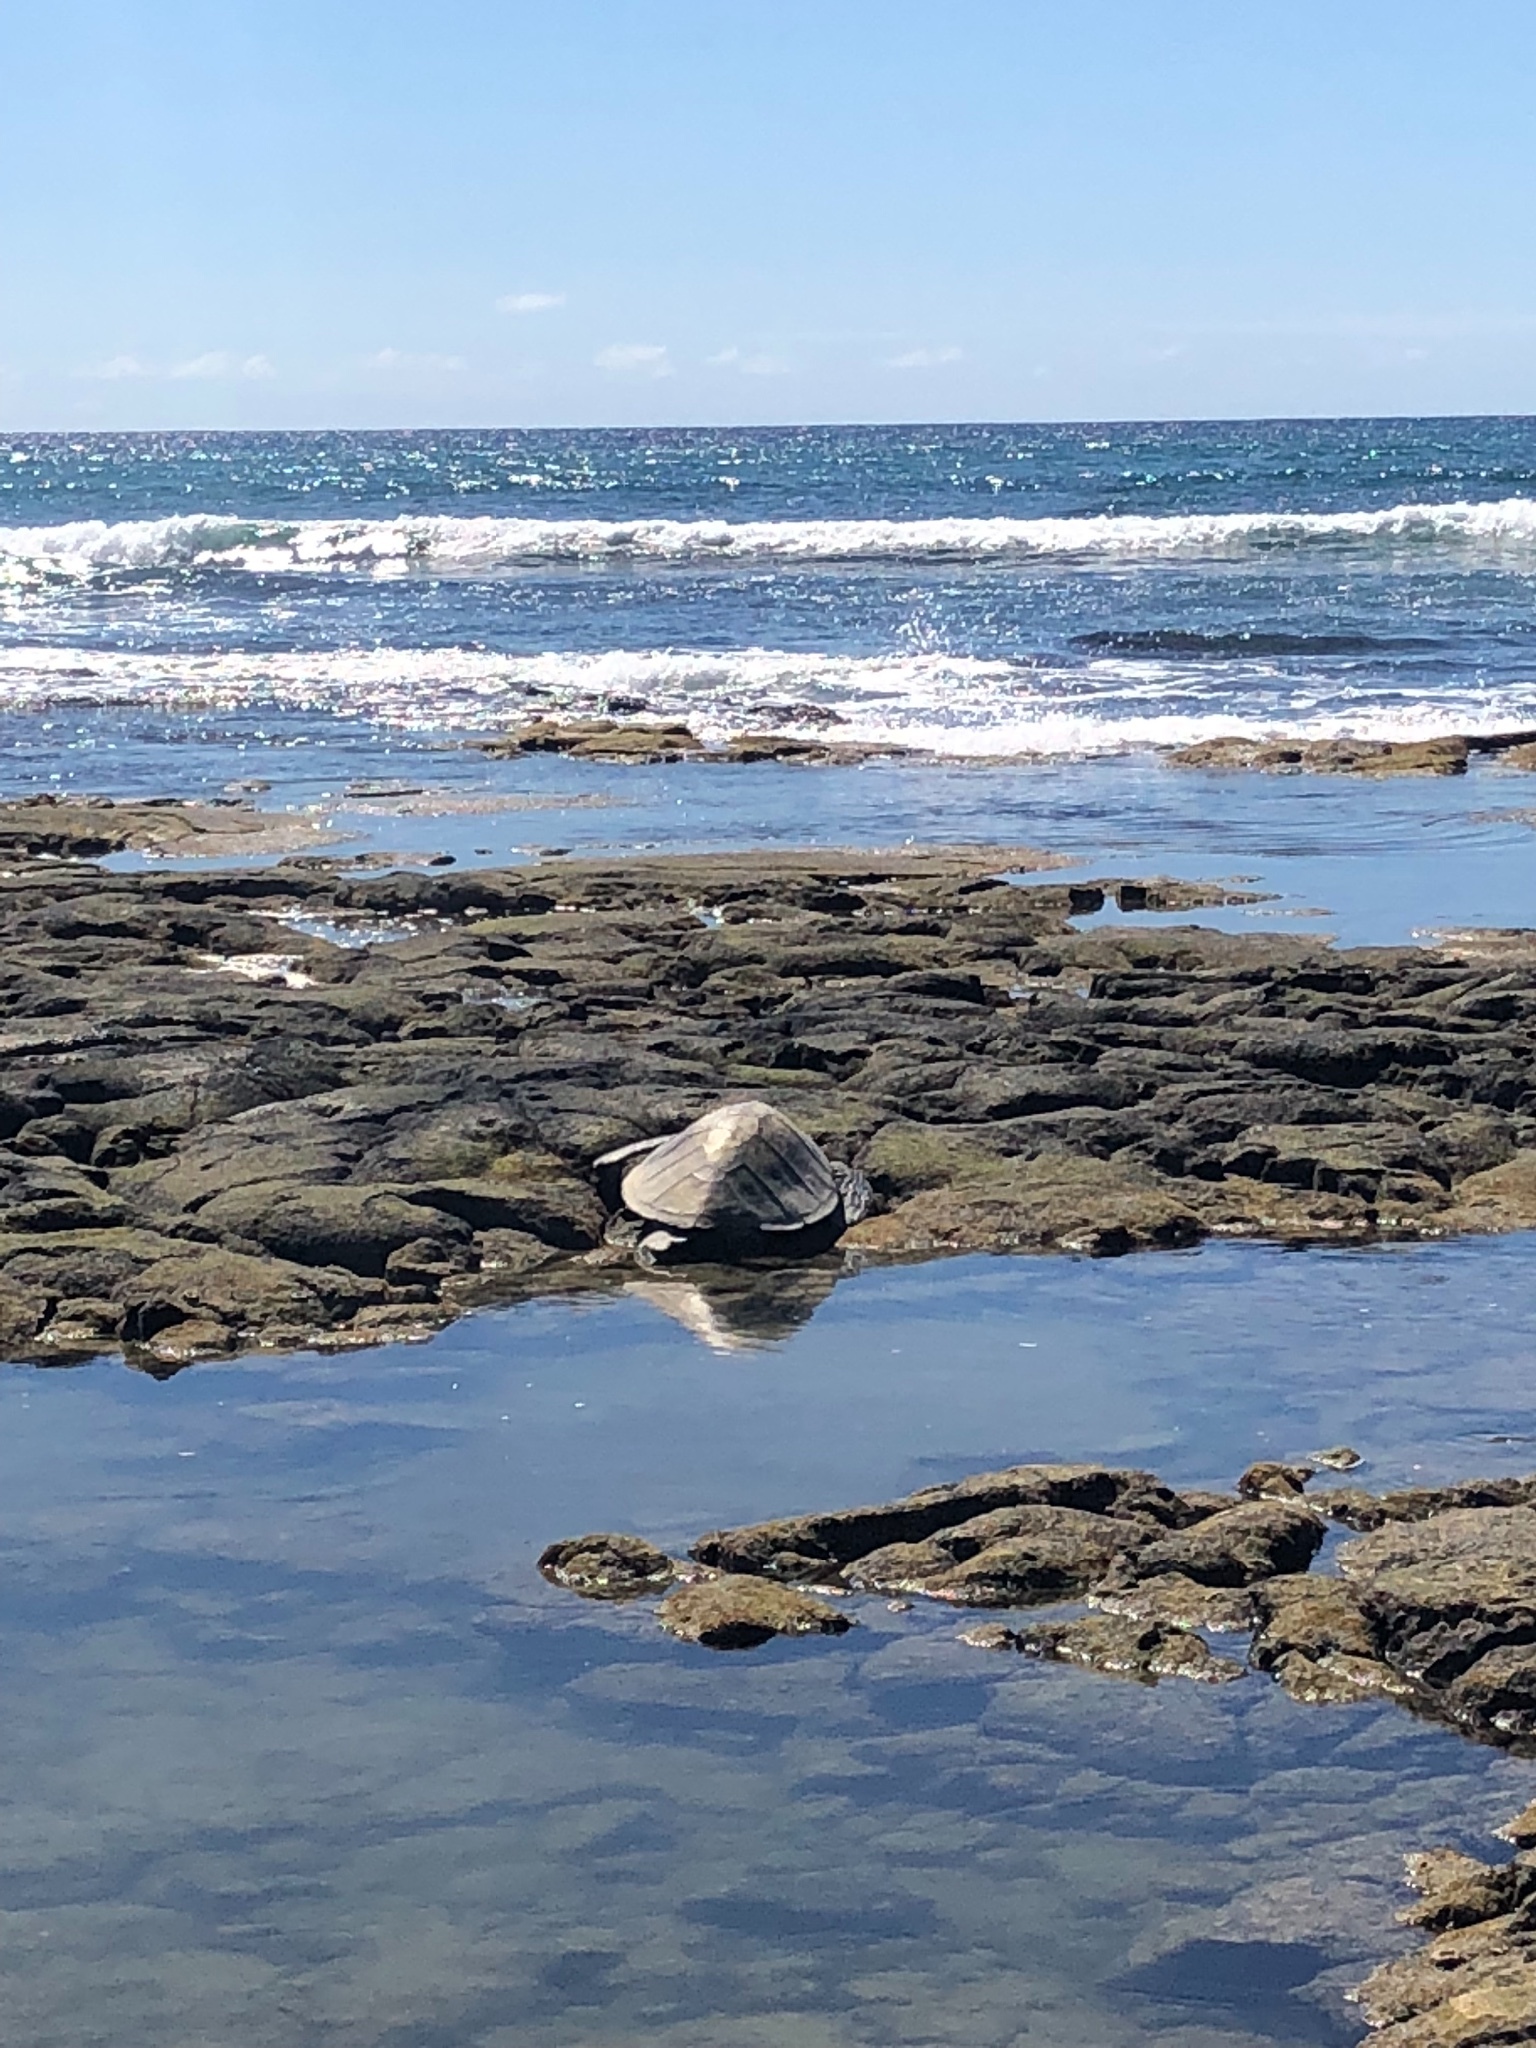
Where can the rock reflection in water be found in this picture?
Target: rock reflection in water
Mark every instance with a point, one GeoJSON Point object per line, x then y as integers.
{"type": "Point", "coordinates": [738, 1308]}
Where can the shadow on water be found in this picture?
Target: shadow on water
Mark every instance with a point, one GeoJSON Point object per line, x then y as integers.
{"type": "Point", "coordinates": [1252, 1984]}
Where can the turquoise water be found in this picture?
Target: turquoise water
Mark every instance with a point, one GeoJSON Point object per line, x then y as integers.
{"type": "Point", "coordinates": [299, 1745]}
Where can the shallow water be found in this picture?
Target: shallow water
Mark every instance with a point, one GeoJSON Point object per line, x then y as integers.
{"type": "Point", "coordinates": [298, 1743]}
{"type": "Point", "coordinates": [1368, 863]}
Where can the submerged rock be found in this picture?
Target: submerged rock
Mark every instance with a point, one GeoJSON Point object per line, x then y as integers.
{"type": "Point", "coordinates": [739, 1614]}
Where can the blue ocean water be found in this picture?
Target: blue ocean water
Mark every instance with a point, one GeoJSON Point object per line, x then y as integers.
{"type": "Point", "coordinates": [975, 590]}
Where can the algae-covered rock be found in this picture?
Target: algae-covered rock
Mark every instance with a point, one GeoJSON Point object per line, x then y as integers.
{"type": "Point", "coordinates": [607, 1567]}
{"type": "Point", "coordinates": [1473, 1985]}
{"type": "Point", "coordinates": [238, 1295]}
{"type": "Point", "coordinates": [734, 1613]}
{"type": "Point", "coordinates": [1030, 1555]}
{"type": "Point", "coordinates": [1451, 1600]}
{"type": "Point", "coordinates": [1127, 1649]}
{"type": "Point", "coordinates": [597, 739]}
{"type": "Point", "coordinates": [1446, 756]}
{"type": "Point", "coordinates": [1052, 1203]}
{"type": "Point", "coordinates": [22, 1314]}
{"type": "Point", "coordinates": [1241, 1545]}
{"type": "Point", "coordinates": [808, 1546]}
{"type": "Point", "coordinates": [419, 1099]}
{"type": "Point", "coordinates": [359, 1228]}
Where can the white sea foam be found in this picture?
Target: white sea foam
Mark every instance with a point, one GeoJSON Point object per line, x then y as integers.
{"type": "Point", "coordinates": [457, 546]}
{"type": "Point", "coordinates": [954, 705]}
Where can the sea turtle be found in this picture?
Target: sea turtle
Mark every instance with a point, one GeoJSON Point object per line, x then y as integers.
{"type": "Point", "coordinates": [740, 1181]}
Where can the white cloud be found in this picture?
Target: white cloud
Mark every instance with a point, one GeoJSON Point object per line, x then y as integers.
{"type": "Point", "coordinates": [398, 359]}
{"type": "Point", "coordinates": [530, 302]}
{"type": "Point", "coordinates": [634, 359]}
{"type": "Point", "coordinates": [923, 359]}
{"type": "Point", "coordinates": [118, 367]}
{"type": "Point", "coordinates": [760, 365]}
{"type": "Point", "coordinates": [220, 366]}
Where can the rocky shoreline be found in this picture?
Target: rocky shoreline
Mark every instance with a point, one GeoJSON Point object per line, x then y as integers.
{"type": "Point", "coordinates": [272, 1105]}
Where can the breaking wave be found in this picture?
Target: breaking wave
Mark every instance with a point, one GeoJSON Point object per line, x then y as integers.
{"type": "Point", "coordinates": [458, 546]}
{"type": "Point", "coordinates": [952, 705]}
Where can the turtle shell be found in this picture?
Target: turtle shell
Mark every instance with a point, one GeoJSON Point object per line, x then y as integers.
{"type": "Point", "coordinates": [738, 1170]}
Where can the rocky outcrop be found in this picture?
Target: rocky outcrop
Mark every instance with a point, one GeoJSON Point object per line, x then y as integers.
{"type": "Point", "coordinates": [386, 1093]}
{"type": "Point", "coordinates": [1433, 1607]}
{"type": "Point", "coordinates": [1146, 1651]}
{"type": "Point", "coordinates": [84, 827]}
{"type": "Point", "coordinates": [1329, 757]}
{"type": "Point", "coordinates": [1447, 755]}
{"type": "Point", "coordinates": [1473, 1984]}
{"type": "Point", "coordinates": [611, 741]}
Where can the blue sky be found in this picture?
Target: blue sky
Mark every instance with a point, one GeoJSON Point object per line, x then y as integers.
{"type": "Point", "coordinates": [322, 212]}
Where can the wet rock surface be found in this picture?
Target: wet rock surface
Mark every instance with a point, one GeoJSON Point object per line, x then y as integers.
{"type": "Point", "coordinates": [609, 740]}
{"type": "Point", "coordinates": [1434, 1608]}
{"type": "Point", "coordinates": [1474, 1983]}
{"type": "Point", "coordinates": [607, 1567]}
{"type": "Point", "coordinates": [256, 1107]}
{"type": "Point", "coordinates": [1447, 755]}
{"type": "Point", "coordinates": [68, 827]}
{"type": "Point", "coordinates": [741, 1614]}
{"type": "Point", "coordinates": [1145, 1651]}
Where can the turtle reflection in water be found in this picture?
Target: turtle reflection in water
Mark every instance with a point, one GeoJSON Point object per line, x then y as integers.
{"type": "Point", "coordinates": [741, 1181]}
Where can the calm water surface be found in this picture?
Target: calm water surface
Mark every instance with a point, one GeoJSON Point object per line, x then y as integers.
{"type": "Point", "coordinates": [299, 1746]}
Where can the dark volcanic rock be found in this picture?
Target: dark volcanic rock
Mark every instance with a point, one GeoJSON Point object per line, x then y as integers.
{"type": "Point", "coordinates": [187, 1067]}
{"type": "Point", "coordinates": [1237, 1547]}
{"type": "Point", "coordinates": [1014, 1557]}
{"type": "Point", "coordinates": [813, 1546]}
